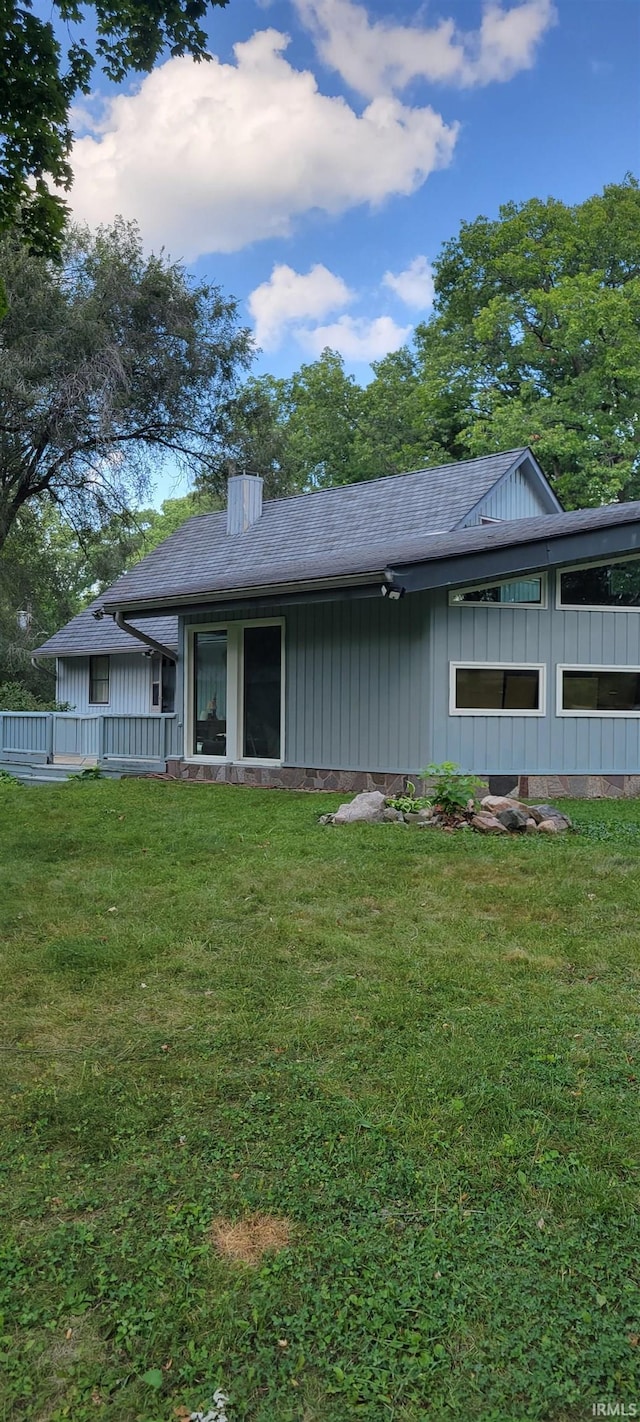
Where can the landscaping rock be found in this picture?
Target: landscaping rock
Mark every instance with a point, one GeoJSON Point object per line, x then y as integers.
{"type": "Point", "coordinates": [426, 816]}
{"type": "Point", "coordinates": [487, 824]}
{"type": "Point", "coordinates": [369, 807]}
{"type": "Point", "coordinates": [513, 819]}
{"type": "Point", "coordinates": [548, 812]}
{"type": "Point", "coordinates": [390, 814]}
{"type": "Point", "coordinates": [495, 804]}
{"type": "Point", "coordinates": [555, 826]}
{"type": "Point", "coordinates": [531, 827]}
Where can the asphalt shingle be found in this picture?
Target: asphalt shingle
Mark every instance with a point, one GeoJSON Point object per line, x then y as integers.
{"type": "Point", "coordinates": [313, 535]}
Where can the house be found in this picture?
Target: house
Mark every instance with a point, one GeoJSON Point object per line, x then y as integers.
{"type": "Point", "coordinates": [348, 637]}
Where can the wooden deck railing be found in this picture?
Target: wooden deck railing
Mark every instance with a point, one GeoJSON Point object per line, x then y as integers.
{"type": "Point", "coordinates": [40, 737]}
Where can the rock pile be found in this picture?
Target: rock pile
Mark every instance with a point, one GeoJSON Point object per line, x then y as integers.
{"type": "Point", "coordinates": [497, 815]}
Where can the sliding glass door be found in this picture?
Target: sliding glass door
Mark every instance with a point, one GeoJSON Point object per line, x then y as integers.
{"type": "Point", "coordinates": [262, 693]}
{"type": "Point", "coordinates": [210, 693]}
{"type": "Point", "coordinates": [236, 692]}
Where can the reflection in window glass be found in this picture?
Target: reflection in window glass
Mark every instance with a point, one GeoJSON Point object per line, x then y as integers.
{"type": "Point", "coordinates": [527, 592]}
{"type": "Point", "coordinates": [98, 681]}
{"type": "Point", "coordinates": [497, 689]}
{"type": "Point", "coordinates": [210, 693]}
{"type": "Point", "coordinates": [262, 693]}
{"type": "Point", "coordinates": [609, 585]}
{"type": "Point", "coordinates": [603, 691]}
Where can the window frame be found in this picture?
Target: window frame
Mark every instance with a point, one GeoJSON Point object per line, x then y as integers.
{"type": "Point", "coordinates": [468, 665]}
{"type": "Point", "coordinates": [503, 606]}
{"type": "Point", "coordinates": [99, 657]}
{"type": "Point", "coordinates": [235, 690]}
{"type": "Point", "coordinates": [157, 710]}
{"type": "Point", "coordinates": [592, 667]}
{"type": "Point", "coordinates": [589, 606]}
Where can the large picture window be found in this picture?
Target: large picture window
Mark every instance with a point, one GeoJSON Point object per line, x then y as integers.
{"type": "Point", "coordinates": [601, 585]}
{"type": "Point", "coordinates": [482, 689]}
{"type": "Point", "coordinates": [524, 592]}
{"type": "Point", "coordinates": [236, 681]}
{"type": "Point", "coordinates": [599, 691]}
{"type": "Point", "coordinates": [98, 681]}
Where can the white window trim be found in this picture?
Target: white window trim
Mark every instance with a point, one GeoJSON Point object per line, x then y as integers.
{"type": "Point", "coordinates": [505, 606]}
{"type": "Point", "coordinates": [598, 606]}
{"type": "Point", "coordinates": [469, 665]}
{"type": "Point", "coordinates": [591, 667]}
{"type": "Point", "coordinates": [235, 690]}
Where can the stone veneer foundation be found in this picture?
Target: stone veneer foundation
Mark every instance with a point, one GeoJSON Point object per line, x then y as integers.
{"type": "Point", "coordinates": [352, 782]}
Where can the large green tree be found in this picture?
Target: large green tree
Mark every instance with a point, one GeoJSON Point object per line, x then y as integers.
{"type": "Point", "coordinates": [109, 364]}
{"type": "Point", "coordinates": [536, 340]}
{"type": "Point", "coordinates": [41, 75]}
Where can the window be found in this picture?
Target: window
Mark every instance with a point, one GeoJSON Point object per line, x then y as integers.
{"type": "Point", "coordinates": [485, 689]}
{"type": "Point", "coordinates": [599, 691]}
{"type": "Point", "coordinates": [529, 592]}
{"type": "Point", "coordinates": [98, 681]}
{"type": "Point", "coordinates": [262, 699]}
{"type": "Point", "coordinates": [601, 585]}
{"type": "Point", "coordinates": [236, 690]}
{"type": "Point", "coordinates": [163, 684]}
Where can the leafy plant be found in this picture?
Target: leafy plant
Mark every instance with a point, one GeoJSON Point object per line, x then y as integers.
{"type": "Point", "coordinates": [14, 696]}
{"type": "Point", "coordinates": [8, 780]}
{"type": "Point", "coordinates": [451, 790]}
{"type": "Point", "coordinates": [409, 803]}
{"type": "Point", "coordinates": [90, 772]}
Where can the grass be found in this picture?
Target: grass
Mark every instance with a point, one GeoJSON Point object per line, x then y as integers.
{"type": "Point", "coordinates": [414, 1053]}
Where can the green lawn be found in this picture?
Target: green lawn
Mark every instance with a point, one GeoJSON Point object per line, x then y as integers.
{"type": "Point", "coordinates": [418, 1048]}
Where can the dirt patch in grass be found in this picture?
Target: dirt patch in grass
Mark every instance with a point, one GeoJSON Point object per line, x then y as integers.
{"type": "Point", "coordinates": [247, 1241]}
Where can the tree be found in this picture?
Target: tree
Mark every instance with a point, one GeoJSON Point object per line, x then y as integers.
{"type": "Point", "coordinates": [536, 340]}
{"type": "Point", "coordinates": [109, 365]}
{"type": "Point", "coordinates": [39, 85]}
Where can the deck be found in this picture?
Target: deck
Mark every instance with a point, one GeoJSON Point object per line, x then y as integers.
{"type": "Point", "coordinates": [47, 746]}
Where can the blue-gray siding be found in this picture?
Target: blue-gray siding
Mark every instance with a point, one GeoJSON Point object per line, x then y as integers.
{"type": "Point", "coordinates": [515, 497]}
{"type": "Point", "coordinates": [356, 688]}
{"type": "Point", "coordinates": [544, 744]}
{"type": "Point", "coordinates": [129, 684]}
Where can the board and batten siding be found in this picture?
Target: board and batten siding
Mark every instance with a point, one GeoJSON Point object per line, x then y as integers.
{"type": "Point", "coordinates": [548, 744]}
{"type": "Point", "coordinates": [516, 497]}
{"type": "Point", "coordinates": [129, 684]}
{"type": "Point", "coordinates": [356, 681]}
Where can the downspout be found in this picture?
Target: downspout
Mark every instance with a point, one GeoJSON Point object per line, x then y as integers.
{"type": "Point", "coordinates": [158, 647]}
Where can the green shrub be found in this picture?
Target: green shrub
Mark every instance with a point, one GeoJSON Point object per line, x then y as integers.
{"type": "Point", "coordinates": [16, 697]}
{"type": "Point", "coordinates": [409, 803]}
{"type": "Point", "coordinates": [451, 790]}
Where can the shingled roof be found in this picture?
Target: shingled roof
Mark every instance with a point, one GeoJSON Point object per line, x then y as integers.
{"type": "Point", "coordinates": [84, 636]}
{"type": "Point", "coordinates": [330, 533]}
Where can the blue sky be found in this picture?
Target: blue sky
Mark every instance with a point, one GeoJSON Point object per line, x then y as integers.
{"type": "Point", "coordinates": [316, 178]}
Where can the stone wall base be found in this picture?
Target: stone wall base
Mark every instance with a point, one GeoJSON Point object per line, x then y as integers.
{"type": "Point", "coordinates": [578, 787]}
{"type": "Point", "coordinates": [351, 782]}
{"type": "Point", "coordinates": [348, 782]}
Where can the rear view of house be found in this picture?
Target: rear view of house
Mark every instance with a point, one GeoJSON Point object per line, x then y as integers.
{"type": "Point", "coordinates": [348, 637]}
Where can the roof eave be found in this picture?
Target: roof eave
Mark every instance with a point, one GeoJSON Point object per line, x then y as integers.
{"type": "Point", "coordinates": [537, 555]}
{"type": "Point", "coordinates": [260, 592]}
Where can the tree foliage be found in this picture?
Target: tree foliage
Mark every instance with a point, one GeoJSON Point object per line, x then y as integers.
{"type": "Point", "coordinates": [40, 81]}
{"type": "Point", "coordinates": [535, 339]}
{"type": "Point", "coordinates": [109, 365]}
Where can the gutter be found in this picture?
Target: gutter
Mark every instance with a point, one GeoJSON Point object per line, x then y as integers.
{"type": "Point", "coordinates": [150, 642]}
{"type": "Point", "coordinates": [249, 594]}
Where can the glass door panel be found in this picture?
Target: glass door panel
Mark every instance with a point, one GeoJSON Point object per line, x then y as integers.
{"type": "Point", "coordinates": [210, 693]}
{"type": "Point", "coordinates": [262, 681]}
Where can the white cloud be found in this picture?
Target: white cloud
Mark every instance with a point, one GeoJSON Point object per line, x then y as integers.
{"type": "Point", "coordinates": [378, 57]}
{"type": "Point", "coordinates": [414, 285]}
{"type": "Point", "coordinates": [289, 297]}
{"type": "Point", "coordinates": [357, 338]}
{"type": "Point", "coordinates": [210, 157]}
